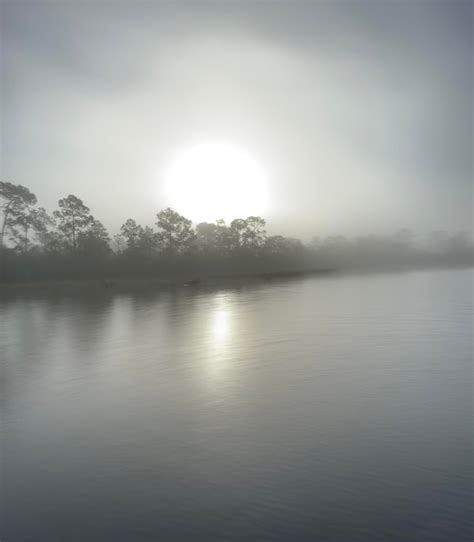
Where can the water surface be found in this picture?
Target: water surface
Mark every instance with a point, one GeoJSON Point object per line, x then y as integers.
{"type": "Point", "coordinates": [319, 409]}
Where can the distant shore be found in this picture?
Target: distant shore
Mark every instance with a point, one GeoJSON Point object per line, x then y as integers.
{"type": "Point", "coordinates": [170, 282]}
{"type": "Point", "coordinates": [124, 284]}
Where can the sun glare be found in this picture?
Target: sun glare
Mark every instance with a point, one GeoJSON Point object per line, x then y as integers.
{"type": "Point", "coordinates": [214, 180]}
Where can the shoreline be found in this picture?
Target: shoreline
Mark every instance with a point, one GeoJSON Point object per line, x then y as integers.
{"type": "Point", "coordinates": [178, 281]}
{"type": "Point", "coordinates": [125, 284]}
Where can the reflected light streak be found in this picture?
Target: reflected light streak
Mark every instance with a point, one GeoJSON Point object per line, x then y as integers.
{"type": "Point", "coordinates": [219, 334]}
{"type": "Point", "coordinates": [220, 326]}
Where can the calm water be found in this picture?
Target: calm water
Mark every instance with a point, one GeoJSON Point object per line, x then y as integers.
{"type": "Point", "coordinates": [327, 409]}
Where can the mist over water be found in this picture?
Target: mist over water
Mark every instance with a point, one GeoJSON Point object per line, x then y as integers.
{"type": "Point", "coordinates": [335, 408]}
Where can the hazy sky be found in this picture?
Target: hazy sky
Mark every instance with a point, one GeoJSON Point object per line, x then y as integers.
{"type": "Point", "coordinates": [360, 112]}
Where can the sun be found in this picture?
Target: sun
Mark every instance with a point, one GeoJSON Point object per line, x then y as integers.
{"type": "Point", "coordinates": [214, 181]}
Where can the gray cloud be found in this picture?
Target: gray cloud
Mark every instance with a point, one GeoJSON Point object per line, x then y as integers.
{"type": "Point", "coordinates": [360, 111]}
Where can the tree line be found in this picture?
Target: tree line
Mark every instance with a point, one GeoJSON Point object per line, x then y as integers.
{"type": "Point", "coordinates": [72, 243]}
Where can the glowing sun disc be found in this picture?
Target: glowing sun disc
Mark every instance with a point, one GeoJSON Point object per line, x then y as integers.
{"type": "Point", "coordinates": [215, 180]}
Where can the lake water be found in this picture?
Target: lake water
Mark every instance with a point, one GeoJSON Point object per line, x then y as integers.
{"type": "Point", "coordinates": [333, 409]}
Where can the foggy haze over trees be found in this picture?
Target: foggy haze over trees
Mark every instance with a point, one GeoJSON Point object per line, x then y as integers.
{"type": "Point", "coordinates": [72, 243]}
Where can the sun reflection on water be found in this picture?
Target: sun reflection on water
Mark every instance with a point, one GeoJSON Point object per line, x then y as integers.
{"type": "Point", "coordinates": [220, 326]}
{"type": "Point", "coordinates": [220, 332]}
